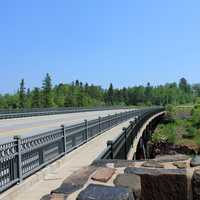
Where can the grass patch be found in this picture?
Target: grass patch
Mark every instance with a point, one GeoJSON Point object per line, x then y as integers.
{"type": "Point", "coordinates": [184, 130]}
{"type": "Point", "coordinates": [165, 133]}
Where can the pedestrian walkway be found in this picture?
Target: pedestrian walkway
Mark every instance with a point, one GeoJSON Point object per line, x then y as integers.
{"type": "Point", "coordinates": [81, 157]}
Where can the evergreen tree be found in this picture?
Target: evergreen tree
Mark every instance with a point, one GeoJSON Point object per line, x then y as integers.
{"type": "Point", "coordinates": [148, 94]}
{"type": "Point", "coordinates": [28, 98]}
{"type": "Point", "coordinates": [47, 96]}
{"type": "Point", "coordinates": [183, 85]}
{"type": "Point", "coordinates": [110, 95]}
{"type": "Point", "coordinates": [36, 98]}
{"type": "Point", "coordinates": [79, 94]}
{"type": "Point", "coordinates": [22, 94]}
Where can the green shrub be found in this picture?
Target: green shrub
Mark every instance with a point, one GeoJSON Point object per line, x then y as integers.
{"type": "Point", "coordinates": [165, 133]}
{"type": "Point", "coordinates": [197, 139]}
{"type": "Point", "coordinates": [191, 132]}
{"type": "Point", "coordinates": [170, 108]}
{"type": "Point", "coordinates": [196, 116]}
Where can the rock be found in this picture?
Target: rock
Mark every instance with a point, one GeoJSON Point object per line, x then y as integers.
{"type": "Point", "coordinates": [103, 174]}
{"type": "Point", "coordinates": [196, 185]}
{"type": "Point", "coordinates": [180, 165]}
{"type": "Point", "coordinates": [171, 158]}
{"type": "Point", "coordinates": [157, 151]}
{"type": "Point", "coordinates": [124, 163]}
{"type": "Point", "coordinates": [101, 192]}
{"type": "Point", "coordinates": [172, 152]}
{"type": "Point", "coordinates": [152, 164]}
{"type": "Point", "coordinates": [75, 181]}
{"type": "Point", "coordinates": [195, 161]}
{"type": "Point", "coordinates": [46, 197]}
{"type": "Point", "coordinates": [161, 184]}
{"type": "Point", "coordinates": [165, 148]}
{"type": "Point", "coordinates": [58, 197]}
{"type": "Point", "coordinates": [151, 171]}
{"type": "Point", "coordinates": [188, 149]}
{"type": "Point", "coordinates": [149, 149]}
{"type": "Point", "coordinates": [131, 181]}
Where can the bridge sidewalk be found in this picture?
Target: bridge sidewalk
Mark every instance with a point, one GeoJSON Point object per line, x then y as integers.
{"type": "Point", "coordinates": [83, 156]}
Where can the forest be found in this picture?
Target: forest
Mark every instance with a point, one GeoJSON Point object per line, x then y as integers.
{"type": "Point", "coordinates": [79, 94]}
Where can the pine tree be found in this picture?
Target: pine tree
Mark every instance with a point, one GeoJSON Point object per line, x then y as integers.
{"type": "Point", "coordinates": [110, 95]}
{"type": "Point", "coordinates": [22, 94]}
{"type": "Point", "coordinates": [47, 96]}
{"type": "Point", "coordinates": [36, 98]}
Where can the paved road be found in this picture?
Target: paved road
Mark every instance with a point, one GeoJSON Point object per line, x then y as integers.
{"type": "Point", "coordinates": [35, 125]}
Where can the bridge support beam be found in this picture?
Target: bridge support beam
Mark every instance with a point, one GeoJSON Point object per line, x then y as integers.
{"type": "Point", "coordinates": [140, 149]}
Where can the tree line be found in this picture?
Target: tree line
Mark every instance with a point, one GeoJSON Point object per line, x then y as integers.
{"type": "Point", "coordinates": [79, 94]}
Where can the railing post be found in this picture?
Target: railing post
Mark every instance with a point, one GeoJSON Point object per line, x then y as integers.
{"type": "Point", "coordinates": [109, 121]}
{"type": "Point", "coordinates": [125, 143]}
{"type": "Point", "coordinates": [18, 140]}
{"type": "Point", "coordinates": [115, 119]}
{"type": "Point", "coordinates": [86, 129]}
{"type": "Point", "coordinates": [132, 134]}
{"type": "Point", "coordinates": [110, 144]}
{"type": "Point", "coordinates": [99, 124]}
{"type": "Point", "coordinates": [64, 138]}
{"type": "Point", "coordinates": [128, 114]}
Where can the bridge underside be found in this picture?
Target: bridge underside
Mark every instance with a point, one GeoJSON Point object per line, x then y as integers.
{"type": "Point", "coordinates": [142, 149]}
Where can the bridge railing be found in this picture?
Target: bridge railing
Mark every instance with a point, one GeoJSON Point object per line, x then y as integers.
{"type": "Point", "coordinates": [22, 157]}
{"type": "Point", "coordinates": [18, 113]}
{"type": "Point", "coordinates": [119, 148]}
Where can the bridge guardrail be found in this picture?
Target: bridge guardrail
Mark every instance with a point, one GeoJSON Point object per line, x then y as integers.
{"type": "Point", "coordinates": [119, 148]}
{"type": "Point", "coordinates": [8, 114]}
{"type": "Point", "coordinates": [22, 157]}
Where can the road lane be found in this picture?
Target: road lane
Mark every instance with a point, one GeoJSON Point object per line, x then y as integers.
{"type": "Point", "coordinates": [35, 125]}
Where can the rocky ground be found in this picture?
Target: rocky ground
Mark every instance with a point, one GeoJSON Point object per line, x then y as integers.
{"type": "Point", "coordinates": [169, 177]}
{"type": "Point", "coordinates": [164, 148]}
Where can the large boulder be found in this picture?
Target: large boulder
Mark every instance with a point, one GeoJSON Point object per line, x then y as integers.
{"type": "Point", "coordinates": [196, 185]}
{"type": "Point", "coordinates": [75, 182]}
{"type": "Point", "coordinates": [152, 164]}
{"type": "Point", "coordinates": [180, 165]}
{"type": "Point", "coordinates": [195, 161]}
{"type": "Point", "coordinates": [130, 181]}
{"type": "Point", "coordinates": [161, 184]}
{"type": "Point", "coordinates": [171, 158]}
{"type": "Point", "coordinates": [103, 174]}
{"type": "Point", "coordinates": [101, 192]}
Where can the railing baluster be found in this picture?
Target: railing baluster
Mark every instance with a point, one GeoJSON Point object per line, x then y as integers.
{"type": "Point", "coordinates": [110, 145]}
{"type": "Point", "coordinates": [86, 129]}
{"type": "Point", "coordinates": [64, 139]}
{"type": "Point", "coordinates": [19, 156]}
{"type": "Point", "coordinates": [99, 124]}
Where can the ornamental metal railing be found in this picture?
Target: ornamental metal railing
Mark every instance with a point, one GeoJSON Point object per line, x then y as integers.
{"type": "Point", "coordinates": [18, 113]}
{"type": "Point", "coordinates": [22, 157]}
{"type": "Point", "coordinates": [119, 148]}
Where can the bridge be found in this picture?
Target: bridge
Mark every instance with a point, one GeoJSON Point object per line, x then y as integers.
{"type": "Point", "coordinates": [70, 147]}
{"type": "Point", "coordinates": [32, 125]}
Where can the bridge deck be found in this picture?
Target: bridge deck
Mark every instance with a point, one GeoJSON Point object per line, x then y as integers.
{"type": "Point", "coordinates": [75, 160]}
{"type": "Point", "coordinates": [35, 125]}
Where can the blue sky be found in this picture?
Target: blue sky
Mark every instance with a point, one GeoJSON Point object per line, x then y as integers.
{"type": "Point", "coordinates": [127, 42]}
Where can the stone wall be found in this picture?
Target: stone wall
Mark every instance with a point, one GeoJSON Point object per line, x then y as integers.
{"type": "Point", "coordinates": [164, 178]}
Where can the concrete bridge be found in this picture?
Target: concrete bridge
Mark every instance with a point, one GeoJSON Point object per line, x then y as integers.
{"type": "Point", "coordinates": [139, 145]}
{"type": "Point", "coordinates": [34, 187]}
